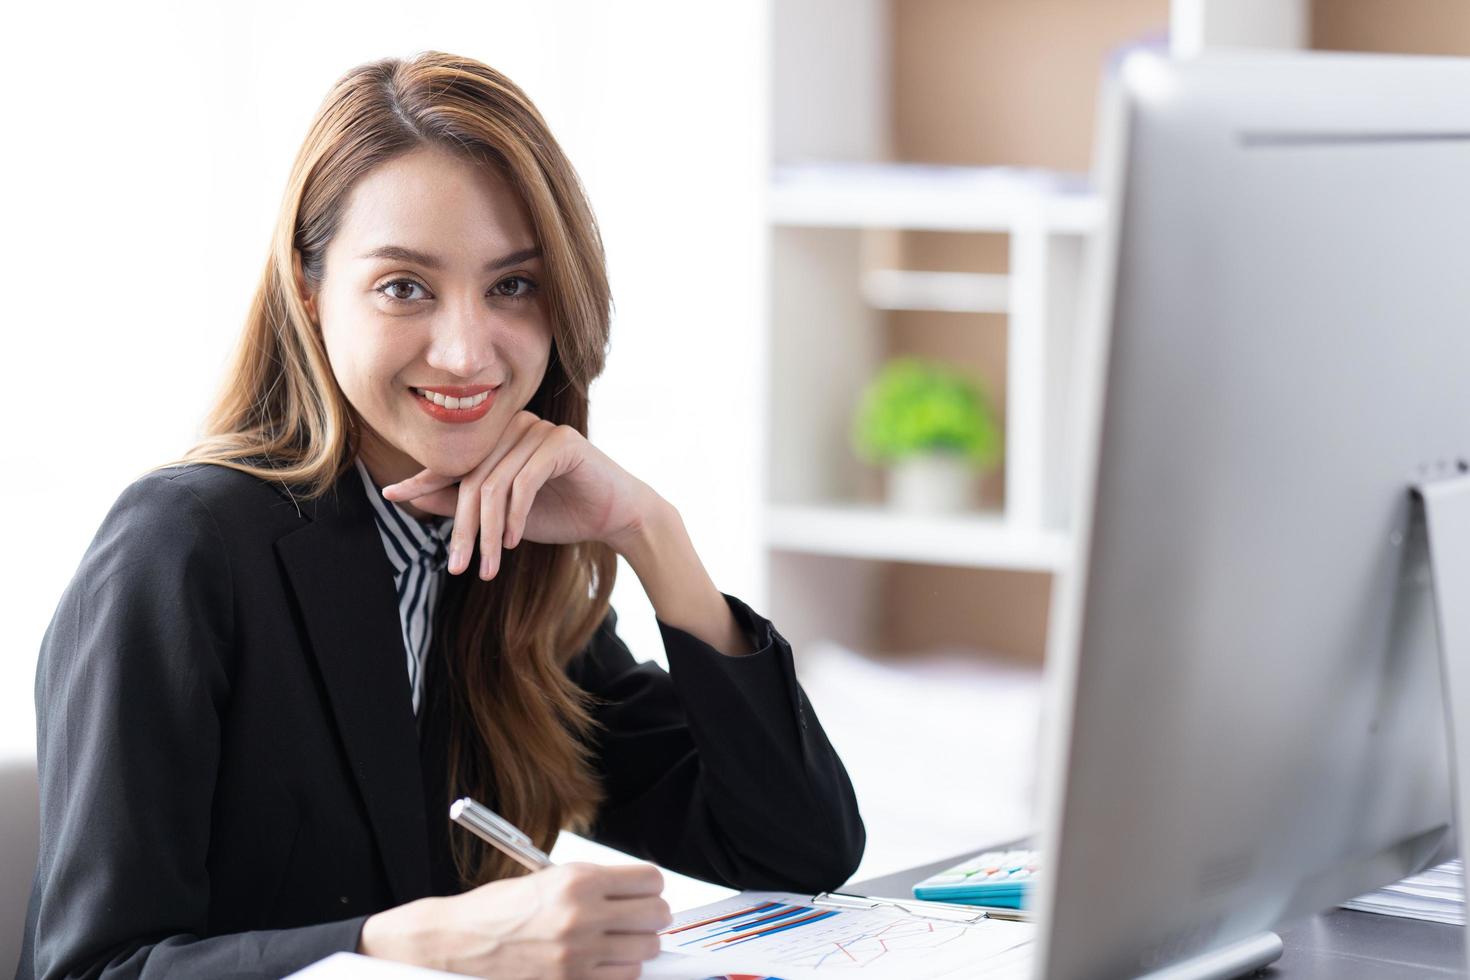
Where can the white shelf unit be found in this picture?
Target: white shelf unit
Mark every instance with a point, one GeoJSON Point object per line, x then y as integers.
{"type": "Point", "coordinates": [826, 314]}
{"type": "Point", "coordinates": [877, 534]}
{"type": "Point", "coordinates": [873, 194]}
{"type": "Point", "coordinates": [836, 556]}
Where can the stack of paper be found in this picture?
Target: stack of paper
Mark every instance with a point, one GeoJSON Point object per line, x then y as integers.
{"type": "Point", "coordinates": [1436, 895]}
{"type": "Point", "coordinates": [758, 935]}
{"type": "Point", "coordinates": [680, 891]}
{"type": "Point", "coordinates": [785, 936]}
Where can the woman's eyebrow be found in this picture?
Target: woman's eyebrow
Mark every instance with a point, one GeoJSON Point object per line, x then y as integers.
{"type": "Point", "coordinates": [400, 254]}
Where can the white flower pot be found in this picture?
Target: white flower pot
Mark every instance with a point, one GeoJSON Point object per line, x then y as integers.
{"type": "Point", "coordinates": [933, 482]}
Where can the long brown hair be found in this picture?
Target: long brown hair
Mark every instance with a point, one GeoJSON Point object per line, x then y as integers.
{"type": "Point", "coordinates": [281, 416]}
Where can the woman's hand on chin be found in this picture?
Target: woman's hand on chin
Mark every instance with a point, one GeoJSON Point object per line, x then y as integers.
{"type": "Point", "coordinates": [541, 482]}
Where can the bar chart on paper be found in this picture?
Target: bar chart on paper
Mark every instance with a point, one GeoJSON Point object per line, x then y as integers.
{"type": "Point", "coordinates": [782, 934]}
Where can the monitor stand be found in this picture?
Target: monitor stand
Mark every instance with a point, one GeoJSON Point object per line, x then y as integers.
{"type": "Point", "coordinates": [1442, 514]}
{"type": "Point", "coordinates": [1446, 516]}
{"type": "Point", "coordinates": [1239, 959]}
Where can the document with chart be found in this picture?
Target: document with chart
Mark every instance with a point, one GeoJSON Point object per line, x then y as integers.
{"type": "Point", "coordinates": [780, 934]}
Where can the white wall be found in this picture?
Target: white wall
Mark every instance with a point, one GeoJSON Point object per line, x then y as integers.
{"type": "Point", "coordinates": [830, 70]}
{"type": "Point", "coordinates": [146, 151]}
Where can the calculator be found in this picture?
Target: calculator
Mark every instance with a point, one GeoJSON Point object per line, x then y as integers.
{"type": "Point", "coordinates": [997, 878]}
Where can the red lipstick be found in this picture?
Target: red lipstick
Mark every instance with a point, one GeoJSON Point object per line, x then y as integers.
{"type": "Point", "coordinates": [466, 411]}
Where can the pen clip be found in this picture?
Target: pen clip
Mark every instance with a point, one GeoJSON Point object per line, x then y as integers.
{"type": "Point", "coordinates": [503, 825]}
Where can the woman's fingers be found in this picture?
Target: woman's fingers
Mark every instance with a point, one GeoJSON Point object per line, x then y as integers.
{"type": "Point", "coordinates": [441, 502]}
{"type": "Point", "coordinates": [494, 492]}
{"type": "Point", "coordinates": [422, 482]}
{"type": "Point", "coordinates": [466, 520]}
{"type": "Point", "coordinates": [616, 971]}
{"type": "Point", "coordinates": [467, 506]}
{"type": "Point", "coordinates": [627, 949]}
{"type": "Point", "coordinates": [632, 881]}
{"type": "Point", "coordinates": [528, 482]}
{"type": "Point", "coordinates": [648, 913]}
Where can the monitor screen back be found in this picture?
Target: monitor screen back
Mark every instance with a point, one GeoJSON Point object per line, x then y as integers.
{"type": "Point", "coordinates": [1248, 724]}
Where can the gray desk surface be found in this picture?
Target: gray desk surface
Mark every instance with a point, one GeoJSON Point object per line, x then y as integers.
{"type": "Point", "coordinates": [1338, 945]}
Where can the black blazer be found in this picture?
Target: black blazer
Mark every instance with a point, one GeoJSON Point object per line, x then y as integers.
{"type": "Point", "coordinates": [233, 778]}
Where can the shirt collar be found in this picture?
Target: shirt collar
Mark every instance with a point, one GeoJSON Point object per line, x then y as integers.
{"type": "Point", "coordinates": [406, 538]}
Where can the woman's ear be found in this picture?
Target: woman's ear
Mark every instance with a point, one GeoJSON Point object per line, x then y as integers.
{"type": "Point", "coordinates": [307, 296]}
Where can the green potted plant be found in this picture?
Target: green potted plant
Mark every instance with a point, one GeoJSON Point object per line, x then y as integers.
{"type": "Point", "coordinates": [933, 428]}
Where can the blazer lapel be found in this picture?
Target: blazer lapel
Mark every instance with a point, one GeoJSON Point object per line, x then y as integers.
{"type": "Point", "coordinates": [344, 586]}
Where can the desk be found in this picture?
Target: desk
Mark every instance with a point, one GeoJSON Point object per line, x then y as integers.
{"type": "Point", "coordinates": [1338, 945]}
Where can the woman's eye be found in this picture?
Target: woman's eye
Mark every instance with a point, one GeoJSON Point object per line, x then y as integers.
{"type": "Point", "coordinates": [516, 291]}
{"type": "Point", "coordinates": [403, 290]}
{"type": "Point", "coordinates": [400, 290]}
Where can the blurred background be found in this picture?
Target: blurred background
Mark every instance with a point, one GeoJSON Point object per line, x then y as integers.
{"type": "Point", "coordinates": [845, 240]}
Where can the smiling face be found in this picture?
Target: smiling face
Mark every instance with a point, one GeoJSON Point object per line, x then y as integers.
{"type": "Point", "coordinates": [432, 291]}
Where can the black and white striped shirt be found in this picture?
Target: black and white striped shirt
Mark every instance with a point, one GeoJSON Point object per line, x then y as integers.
{"type": "Point", "coordinates": [418, 551]}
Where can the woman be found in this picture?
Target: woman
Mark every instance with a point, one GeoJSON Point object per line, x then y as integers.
{"type": "Point", "coordinates": [263, 687]}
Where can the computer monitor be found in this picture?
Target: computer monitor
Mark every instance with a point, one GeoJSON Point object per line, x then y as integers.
{"type": "Point", "coordinates": [1247, 722]}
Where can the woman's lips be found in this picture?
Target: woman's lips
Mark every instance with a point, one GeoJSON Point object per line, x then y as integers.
{"type": "Point", "coordinates": [467, 393]}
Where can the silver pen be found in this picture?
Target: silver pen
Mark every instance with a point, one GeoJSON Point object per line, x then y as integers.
{"type": "Point", "coordinates": [491, 827]}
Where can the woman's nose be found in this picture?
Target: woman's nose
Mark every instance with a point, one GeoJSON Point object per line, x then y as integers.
{"type": "Point", "coordinates": [462, 340]}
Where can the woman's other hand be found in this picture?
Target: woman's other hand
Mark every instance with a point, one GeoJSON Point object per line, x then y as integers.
{"type": "Point", "coordinates": [543, 482]}
{"type": "Point", "coordinates": [568, 921]}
